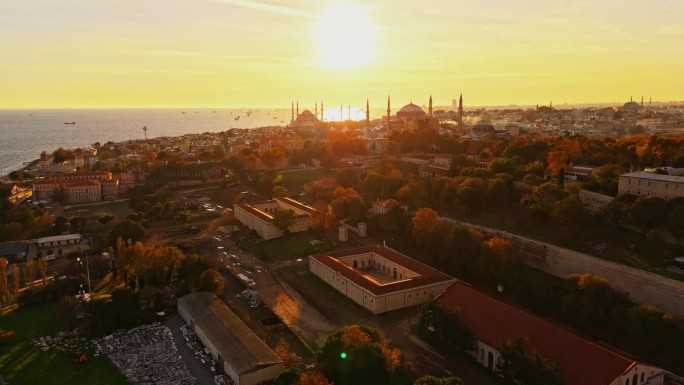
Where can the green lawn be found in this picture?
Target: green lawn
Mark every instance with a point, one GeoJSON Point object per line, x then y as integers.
{"type": "Point", "coordinates": [22, 363]}
{"type": "Point", "coordinates": [294, 181]}
{"type": "Point", "coordinates": [289, 247]}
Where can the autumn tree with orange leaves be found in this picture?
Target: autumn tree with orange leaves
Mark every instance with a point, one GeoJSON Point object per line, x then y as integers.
{"type": "Point", "coordinates": [359, 355]}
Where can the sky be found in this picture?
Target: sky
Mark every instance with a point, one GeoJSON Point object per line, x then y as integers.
{"type": "Point", "coordinates": [266, 53]}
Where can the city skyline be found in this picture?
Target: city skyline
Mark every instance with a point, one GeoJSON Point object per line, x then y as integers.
{"type": "Point", "coordinates": [236, 53]}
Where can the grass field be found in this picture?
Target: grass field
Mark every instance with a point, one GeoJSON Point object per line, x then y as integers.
{"type": "Point", "coordinates": [289, 247]}
{"type": "Point", "coordinates": [22, 363]}
{"type": "Point", "coordinates": [294, 181]}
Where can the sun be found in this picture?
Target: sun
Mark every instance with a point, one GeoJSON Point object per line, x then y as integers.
{"type": "Point", "coordinates": [346, 36]}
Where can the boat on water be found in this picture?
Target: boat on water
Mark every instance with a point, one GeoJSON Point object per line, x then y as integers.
{"type": "Point", "coordinates": [69, 122]}
{"type": "Point", "coordinates": [238, 117]}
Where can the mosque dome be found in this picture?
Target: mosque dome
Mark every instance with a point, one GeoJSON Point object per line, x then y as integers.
{"type": "Point", "coordinates": [411, 110]}
{"type": "Point", "coordinates": [483, 127]}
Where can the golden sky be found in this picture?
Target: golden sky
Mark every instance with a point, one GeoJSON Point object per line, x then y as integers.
{"type": "Point", "coordinates": [265, 53]}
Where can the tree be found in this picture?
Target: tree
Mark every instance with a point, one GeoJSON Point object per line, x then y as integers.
{"type": "Point", "coordinates": [347, 203]}
{"type": "Point", "coordinates": [313, 378]}
{"type": "Point", "coordinates": [289, 376]}
{"type": "Point", "coordinates": [59, 194]}
{"type": "Point", "coordinates": [649, 212]}
{"type": "Point", "coordinates": [65, 313]}
{"type": "Point", "coordinates": [128, 231]}
{"type": "Point", "coordinates": [270, 158]}
{"type": "Point", "coordinates": [16, 279]}
{"type": "Point", "coordinates": [432, 380]}
{"type": "Point", "coordinates": [283, 219]}
{"type": "Point", "coordinates": [211, 280]}
{"type": "Point", "coordinates": [357, 354]}
{"type": "Point", "coordinates": [61, 225]}
{"type": "Point", "coordinates": [29, 273]}
{"type": "Point", "coordinates": [447, 327]}
{"type": "Point", "coordinates": [607, 177]}
{"type": "Point", "coordinates": [42, 267]}
{"type": "Point", "coordinates": [4, 285]}
{"type": "Point", "coordinates": [346, 177]}
{"type": "Point", "coordinates": [279, 191]}
{"type": "Point", "coordinates": [425, 225]}
{"type": "Point", "coordinates": [520, 364]}
{"type": "Point", "coordinates": [545, 198]}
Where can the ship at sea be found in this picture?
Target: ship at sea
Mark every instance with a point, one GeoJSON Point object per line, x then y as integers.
{"type": "Point", "coordinates": [69, 122]}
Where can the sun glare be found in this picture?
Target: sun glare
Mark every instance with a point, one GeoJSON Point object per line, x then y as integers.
{"type": "Point", "coordinates": [346, 36]}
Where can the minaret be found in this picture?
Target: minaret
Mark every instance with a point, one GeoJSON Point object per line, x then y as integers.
{"type": "Point", "coordinates": [630, 99]}
{"type": "Point", "coordinates": [297, 108]}
{"type": "Point", "coordinates": [460, 113]}
{"type": "Point", "coordinates": [349, 112]}
{"type": "Point", "coordinates": [145, 130]}
{"type": "Point", "coordinates": [642, 102]}
{"type": "Point", "coordinates": [367, 114]}
{"type": "Point", "coordinates": [649, 100]}
{"type": "Point", "coordinates": [292, 118]}
{"type": "Point", "coordinates": [341, 116]}
{"type": "Point", "coordinates": [388, 115]}
{"type": "Point", "coordinates": [321, 110]}
{"type": "Point", "coordinates": [430, 108]}
{"type": "Point", "coordinates": [316, 114]}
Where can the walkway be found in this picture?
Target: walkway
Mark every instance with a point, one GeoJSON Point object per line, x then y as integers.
{"type": "Point", "coordinates": [201, 371]}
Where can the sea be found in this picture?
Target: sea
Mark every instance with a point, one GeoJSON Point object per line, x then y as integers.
{"type": "Point", "coordinates": [24, 134]}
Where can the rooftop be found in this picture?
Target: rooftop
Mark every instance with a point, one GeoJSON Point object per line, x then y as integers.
{"type": "Point", "coordinates": [582, 362]}
{"type": "Point", "coordinates": [427, 275]}
{"type": "Point", "coordinates": [654, 176]}
{"type": "Point", "coordinates": [233, 339]}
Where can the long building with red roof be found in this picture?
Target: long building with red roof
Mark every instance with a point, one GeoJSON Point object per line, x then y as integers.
{"type": "Point", "coordinates": [582, 362]}
{"type": "Point", "coordinates": [379, 278]}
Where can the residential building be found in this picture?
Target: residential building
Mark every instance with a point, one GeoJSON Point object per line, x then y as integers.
{"type": "Point", "coordinates": [582, 362]}
{"type": "Point", "coordinates": [385, 205]}
{"type": "Point", "coordinates": [239, 352]}
{"type": "Point", "coordinates": [59, 240]}
{"type": "Point", "coordinates": [379, 278]}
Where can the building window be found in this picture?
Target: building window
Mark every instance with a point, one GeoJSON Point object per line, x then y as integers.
{"type": "Point", "coordinates": [642, 376]}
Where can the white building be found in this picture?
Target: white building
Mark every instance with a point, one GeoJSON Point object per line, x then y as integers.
{"type": "Point", "coordinates": [652, 184]}
{"type": "Point", "coordinates": [260, 216]}
{"type": "Point", "coordinates": [378, 278]}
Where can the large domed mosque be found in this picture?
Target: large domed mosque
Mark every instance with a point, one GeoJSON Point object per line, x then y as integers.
{"type": "Point", "coordinates": [411, 117]}
{"type": "Point", "coordinates": [306, 118]}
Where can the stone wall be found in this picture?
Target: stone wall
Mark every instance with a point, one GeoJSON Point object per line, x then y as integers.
{"type": "Point", "coordinates": [641, 286]}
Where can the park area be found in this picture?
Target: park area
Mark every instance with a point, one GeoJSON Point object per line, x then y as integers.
{"type": "Point", "coordinates": [55, 360]}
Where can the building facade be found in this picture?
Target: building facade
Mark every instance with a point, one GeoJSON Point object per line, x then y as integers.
{"type": "Point", "coordinates": [378, 278]}
{"type": "Point", "coordinates": [643, 183]}
{"type": "Point", "coordinates": [260, 216]}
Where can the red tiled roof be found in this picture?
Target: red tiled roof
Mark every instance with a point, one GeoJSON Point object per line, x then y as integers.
{"type": "Point", "coordinates": [256, 212]}
{"type": "Point", "coordinates": [428, 275]}
{"type": "Point", "coordinates": [299, 205]}
{"type": "Point", "coordinates": [493, 322]}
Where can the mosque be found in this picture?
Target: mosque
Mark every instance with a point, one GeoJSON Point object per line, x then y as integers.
{"type": "Point", "coordinates": [411, 117]}
{"type": "Point", "coordinates": [306, 118]}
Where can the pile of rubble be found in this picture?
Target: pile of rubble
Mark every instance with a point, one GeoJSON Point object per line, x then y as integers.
{"type": "Point", "coordinates": [251, 297]}
{"type": "Point", "coordinates": [203, 354]}
{"type": "Point", "coordinates": [66, 342]}
{"type": "Point", "coordinates": [146, 355]}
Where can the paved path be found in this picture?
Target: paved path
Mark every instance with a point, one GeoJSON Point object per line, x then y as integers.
{"type": "Point", "coordinates": [199, 370]}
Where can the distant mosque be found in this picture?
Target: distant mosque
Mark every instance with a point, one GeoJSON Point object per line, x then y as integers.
{"type": "Point", "coordinates": [306, 118]}
{"type": "Point", "coordinates": [411, 117]}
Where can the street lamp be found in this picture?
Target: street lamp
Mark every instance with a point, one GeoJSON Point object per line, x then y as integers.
{"type": "Point", "coordinates": [79, 264]}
